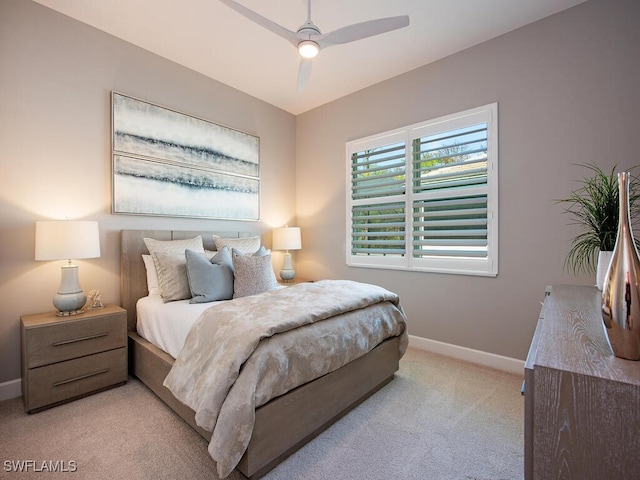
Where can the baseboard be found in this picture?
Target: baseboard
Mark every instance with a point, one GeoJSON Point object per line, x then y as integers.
{"type": "Point", "coordinates": [486, 359]}
{"type": "Point", "coordinates": [10, 389]}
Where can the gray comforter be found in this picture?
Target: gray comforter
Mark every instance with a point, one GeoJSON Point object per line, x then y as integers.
{"type": "Point", "coordinates": [243, 353]}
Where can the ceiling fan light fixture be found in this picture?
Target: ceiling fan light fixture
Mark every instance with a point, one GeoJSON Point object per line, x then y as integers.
{"type": "Point", "coordinates": [303, 38]}
{"type": "Point", "coordinates": [308, 49]}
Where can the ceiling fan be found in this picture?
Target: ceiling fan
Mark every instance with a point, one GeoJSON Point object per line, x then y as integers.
{"type": "Point", "coordinates": [308, 39]}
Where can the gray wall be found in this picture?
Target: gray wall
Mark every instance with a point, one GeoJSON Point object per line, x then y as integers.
{"type": "Point", "coordinates": [567, 91]}
{"type": "Point", "coordinates": [56, 75]}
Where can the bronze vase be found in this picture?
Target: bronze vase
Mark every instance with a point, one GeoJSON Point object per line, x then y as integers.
{"type": "Point", "coordinates": [620, 293]}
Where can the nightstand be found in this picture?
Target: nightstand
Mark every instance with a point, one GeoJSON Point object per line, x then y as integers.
{"type": "Point", "coordinates": [64, 358]}
{"type": "Point", "coordinates": [293, 282]}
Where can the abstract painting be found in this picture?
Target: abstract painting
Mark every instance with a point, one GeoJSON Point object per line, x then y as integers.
{"type": "Point", "coordinates": [169, 163]}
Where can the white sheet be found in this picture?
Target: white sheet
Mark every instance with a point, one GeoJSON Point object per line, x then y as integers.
{"type": "Point", "coordinates": [166, 325]}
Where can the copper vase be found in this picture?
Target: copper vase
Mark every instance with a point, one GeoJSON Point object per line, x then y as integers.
{"type": "Point", "coordinates": [620, 293]}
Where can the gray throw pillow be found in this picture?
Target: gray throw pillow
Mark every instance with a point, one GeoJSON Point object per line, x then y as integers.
{"type": "Point", "coordinates": [172, 276]}
{"type": "Point", "coordinates": [210, 280]}
{"type": "Point", "coordinates": [253, 274]}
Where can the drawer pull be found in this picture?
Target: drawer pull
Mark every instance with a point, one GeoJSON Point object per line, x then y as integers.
{"type": "Point", "coordinates": [81, 377]}
{"type": "Point", "coordinates": [81, 339]}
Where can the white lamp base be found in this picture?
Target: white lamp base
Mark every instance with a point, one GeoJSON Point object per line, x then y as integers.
{"type": "Point", "coordinates": [287, 274]}
{"type": "Point", "coordinates": [70, 298]}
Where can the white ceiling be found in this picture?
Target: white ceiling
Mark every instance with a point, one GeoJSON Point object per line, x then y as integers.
{"type": "Point", "coordinates": [210, 38]}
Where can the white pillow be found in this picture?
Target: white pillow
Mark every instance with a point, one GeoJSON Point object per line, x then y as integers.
{"type": "Point", "coordinates": [152, 275]}
{"type": "Point", "coordinates": [245, 245]}
{"type": "Point", "coordinates": [174, 246]}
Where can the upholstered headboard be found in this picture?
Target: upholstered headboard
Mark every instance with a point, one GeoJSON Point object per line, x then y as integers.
{"type": "Point", "coordinates": [133, 276]}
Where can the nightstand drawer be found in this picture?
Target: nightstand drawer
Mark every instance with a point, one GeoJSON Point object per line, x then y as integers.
{"type": "Point", "coordinates": [59, 341]}
{"type": "Point", "coordinates": [66, 380]}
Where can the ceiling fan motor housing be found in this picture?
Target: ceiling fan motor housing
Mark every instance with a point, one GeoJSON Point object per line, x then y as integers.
{"type": "Point", "coordinates": [308, 28]}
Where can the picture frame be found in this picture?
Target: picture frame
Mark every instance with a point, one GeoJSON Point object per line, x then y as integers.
{"type": "Point", "coordinates": [169, 163]}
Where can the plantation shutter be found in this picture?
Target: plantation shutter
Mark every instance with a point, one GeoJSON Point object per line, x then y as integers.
{"type": "Point", "coordinates": [425, 197]}
{"type": "Point", "coordinates": [450, 214]}
{"type": "Point", "coordinates": [378, 187]}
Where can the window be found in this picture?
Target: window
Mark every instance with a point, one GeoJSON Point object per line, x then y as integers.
{"type": "Point", "coordinates": [425, 197]}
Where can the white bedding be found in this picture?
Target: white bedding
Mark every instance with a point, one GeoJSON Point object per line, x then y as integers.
{"type": "Point", "coordinates": [166, 325]}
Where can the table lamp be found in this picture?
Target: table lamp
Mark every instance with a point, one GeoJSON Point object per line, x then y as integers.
{"type": "Point", "coordinates": [66, 240]}
{"type": "Point", "coordinates": [287, 238]}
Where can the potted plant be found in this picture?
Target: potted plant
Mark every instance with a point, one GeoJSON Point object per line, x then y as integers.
{"type": "Point", "coordinates": [594, 206]}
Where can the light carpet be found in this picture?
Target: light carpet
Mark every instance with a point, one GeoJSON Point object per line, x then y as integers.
{"type": "Point", "coordinates": [439, 419]}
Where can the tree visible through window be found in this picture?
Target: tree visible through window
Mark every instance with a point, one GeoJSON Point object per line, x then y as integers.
{"type": "Point", "coordinates": [424, 197]}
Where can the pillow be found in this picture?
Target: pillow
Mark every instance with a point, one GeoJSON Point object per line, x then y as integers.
{"type": "Point", "coordinates": [262, 251]}
{"type": "Point", "coordinates": [246, 245]}
{"type": "Point", "coordinates": [152, 275]}
{"type": "Point", "coordinates": [172, 276]}
{"type": "Point", "coordinates": [210, 280]}
{"type": "Point", "coordinates": [174, 246]}
{"type": "Point", "coordinates": [253, 274]}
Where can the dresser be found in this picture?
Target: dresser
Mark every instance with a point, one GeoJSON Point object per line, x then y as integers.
{"type": "Point", "coordinates": [582, 404]}
{"type": "Point", "coordinates": [64, 358]}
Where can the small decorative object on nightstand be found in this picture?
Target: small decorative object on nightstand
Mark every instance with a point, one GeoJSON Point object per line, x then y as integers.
{"type": "Point", "coordinates": [95, 299]}
{"type": "Point", "coordinates": [71, 357]}
{"type": "Point", "coordinates": [287, 238]}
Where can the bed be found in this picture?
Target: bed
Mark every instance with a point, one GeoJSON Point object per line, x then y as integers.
{"type": "Point", "coordinates": [315, 405]}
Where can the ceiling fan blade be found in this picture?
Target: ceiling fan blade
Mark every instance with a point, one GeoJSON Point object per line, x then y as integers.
{"type": "Point", "coordinates": [304, 72]}
{"type": "Point", "coordinates": [288, 35]}
{"type": "Point", "coordinates": [362, 30]}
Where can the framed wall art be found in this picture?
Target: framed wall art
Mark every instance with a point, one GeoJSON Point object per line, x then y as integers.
{"type": "Point", "coordinates": [169, 163]}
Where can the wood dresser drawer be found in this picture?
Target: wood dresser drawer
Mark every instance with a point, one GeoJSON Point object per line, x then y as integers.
{"type": "Point", "coordinates": [67, 357]}
{"type": "Point", "coordinates": [63, 381]}
{"type": "Point", "coordinates": [582, 403]}
{"type": "Point", "coordinates": [60, 341]}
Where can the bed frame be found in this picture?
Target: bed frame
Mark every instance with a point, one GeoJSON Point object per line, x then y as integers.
{"type": "Point", "coordinates": [284, 424]}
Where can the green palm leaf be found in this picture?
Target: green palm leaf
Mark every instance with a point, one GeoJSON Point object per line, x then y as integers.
{"type": "Point", "coordinates": [595, 206]}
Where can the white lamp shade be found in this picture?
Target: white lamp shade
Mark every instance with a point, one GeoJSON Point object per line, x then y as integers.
{"type": "Point", "coordinates": [287, 238]}
{"type": "Point", "coordinates": [67, 239]}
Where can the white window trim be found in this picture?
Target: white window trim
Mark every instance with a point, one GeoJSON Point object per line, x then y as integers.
{"type": "Point", "coordinates": [453, 265]}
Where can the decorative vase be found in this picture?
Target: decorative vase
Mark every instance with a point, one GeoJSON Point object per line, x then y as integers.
{"type": "Point", "coordinates": [621, 294]}
{"type": "Point", "coordinates": [604, 259]}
